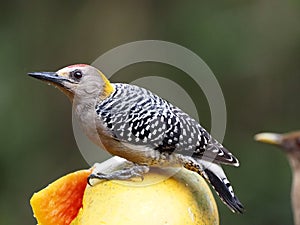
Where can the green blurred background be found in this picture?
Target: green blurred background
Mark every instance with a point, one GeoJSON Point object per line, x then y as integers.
{"type": "Point", "coordinates": [253, 48]}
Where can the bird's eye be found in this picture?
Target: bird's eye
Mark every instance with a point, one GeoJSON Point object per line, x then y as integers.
{"type": "Point", "coordinates": [77, 74]}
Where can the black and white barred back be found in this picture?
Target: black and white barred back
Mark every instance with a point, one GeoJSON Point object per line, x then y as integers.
{"type": "Point", "coordinates": [137, 116]}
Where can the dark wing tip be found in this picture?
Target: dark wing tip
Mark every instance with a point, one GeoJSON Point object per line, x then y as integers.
{"type": "Point", "coordinates": [220, 154]}
{"type": "Point", "coordinates": [229, 158]}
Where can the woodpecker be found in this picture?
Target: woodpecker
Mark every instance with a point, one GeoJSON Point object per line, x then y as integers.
{"type": "Point", "coordinates": [290, 144]}
{"type": "Point", "coordinates": [133, 123]}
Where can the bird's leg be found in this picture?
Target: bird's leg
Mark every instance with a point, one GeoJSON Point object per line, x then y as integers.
{"type": "Point", "coordinates": [123, 174]}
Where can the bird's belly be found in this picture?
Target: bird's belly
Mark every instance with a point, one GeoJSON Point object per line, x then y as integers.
{"type": "Point", "coordinates": [139, 154]}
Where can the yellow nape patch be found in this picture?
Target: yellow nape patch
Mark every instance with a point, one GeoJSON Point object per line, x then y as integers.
{"type": "Point", "coordinates": [108, 88]}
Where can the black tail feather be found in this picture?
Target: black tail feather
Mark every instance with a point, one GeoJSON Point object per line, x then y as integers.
{"type": "Point", "coordinates": [224, 192]}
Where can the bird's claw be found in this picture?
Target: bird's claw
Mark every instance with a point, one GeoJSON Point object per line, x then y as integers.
{"type": "Point", "coordinates": [123, 174]}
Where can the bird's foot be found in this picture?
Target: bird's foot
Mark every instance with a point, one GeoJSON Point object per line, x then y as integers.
{"type": "Point", "coordinates": [123, 174]}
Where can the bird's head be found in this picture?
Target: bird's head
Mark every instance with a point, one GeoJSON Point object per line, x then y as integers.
{"type": "Point", "coordinates": [80, 79]}
{"type": "Point", "coordinates": [289, 142]}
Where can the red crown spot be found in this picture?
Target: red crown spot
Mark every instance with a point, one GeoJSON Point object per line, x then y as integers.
{"type": "Point", "coordinates": [77, 65]}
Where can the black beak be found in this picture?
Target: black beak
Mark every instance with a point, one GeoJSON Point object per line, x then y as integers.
{"type": "Point", "coordinates": [51, 77]}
